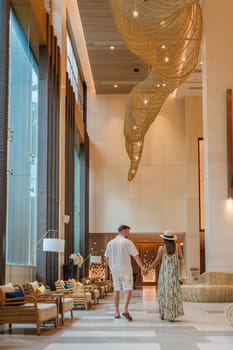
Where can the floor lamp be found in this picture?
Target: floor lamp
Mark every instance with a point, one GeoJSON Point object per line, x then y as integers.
{"type": "Point", "coordinates": [85, 259]}
{"type": "Point", "coordinates": [52, 244]}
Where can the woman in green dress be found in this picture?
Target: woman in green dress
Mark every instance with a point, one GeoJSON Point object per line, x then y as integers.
{"type": "Point", "coordinates": [170, 301]}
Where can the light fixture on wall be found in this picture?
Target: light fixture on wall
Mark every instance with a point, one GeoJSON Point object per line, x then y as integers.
{"type": "Point", "coordinates": [66, 219]}
{"type": "Point", "coordinates": [229, 124]}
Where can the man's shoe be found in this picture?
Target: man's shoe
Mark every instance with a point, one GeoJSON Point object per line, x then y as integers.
{"type": "Point", "coordinates": [127, 316]}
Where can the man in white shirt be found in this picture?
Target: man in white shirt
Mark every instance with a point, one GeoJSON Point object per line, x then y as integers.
{"type": "Point", "coordinates": [118, 257]}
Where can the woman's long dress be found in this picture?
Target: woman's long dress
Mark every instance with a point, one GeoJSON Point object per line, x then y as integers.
{"type": "Point", "coordinates": [170, 301]}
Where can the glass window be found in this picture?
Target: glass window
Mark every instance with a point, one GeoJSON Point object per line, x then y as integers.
{"type": "Point", "coordinates": [72, 67]}
{"type": "Point", "coordinates": [22, 149]}
{"type": "Point", "coordinates": [74, 74]}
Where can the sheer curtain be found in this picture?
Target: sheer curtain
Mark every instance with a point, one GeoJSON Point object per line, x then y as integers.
{"type": "Point", "coordinates": [22, 149]}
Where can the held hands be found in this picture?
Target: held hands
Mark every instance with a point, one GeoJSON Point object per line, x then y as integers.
{"type": "Point", "coordinates": [144, 271]}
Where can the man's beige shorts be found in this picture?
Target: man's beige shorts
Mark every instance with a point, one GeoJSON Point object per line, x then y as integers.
{"type": "Point", "coordinates": [122, 281]}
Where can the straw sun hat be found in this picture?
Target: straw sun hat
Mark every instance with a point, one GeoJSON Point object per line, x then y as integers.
{"type": "Point", "coordinates": [169, 236]}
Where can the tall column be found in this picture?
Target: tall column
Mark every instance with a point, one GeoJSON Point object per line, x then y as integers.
{"type": "Point", "coordinates": [193, 130]}
{"type": "Point", "coordinates": [217, 77]}
{"type": "Point", "coordinates": [60, 30]}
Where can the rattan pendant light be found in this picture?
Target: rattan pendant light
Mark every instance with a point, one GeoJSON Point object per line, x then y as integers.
{"type": "Point", "coordinates": [166, 34]}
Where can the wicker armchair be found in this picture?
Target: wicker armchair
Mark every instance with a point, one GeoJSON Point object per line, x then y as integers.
{"type": "Point", "coordinates": [25, 309]}
{"type": "Point", "coordinates": [64, 304]}
{"type": "Point", "coordinates": [79, 295]}
{"type": "Point", "coordinates": [91, 288]}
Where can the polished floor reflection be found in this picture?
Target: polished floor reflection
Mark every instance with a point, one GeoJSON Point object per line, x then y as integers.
{"type": "Point", "coordinates": [203, 327]}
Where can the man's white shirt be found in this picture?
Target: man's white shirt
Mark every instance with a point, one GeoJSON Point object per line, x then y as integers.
{"type": "Point", "coordinates": [119, 251]}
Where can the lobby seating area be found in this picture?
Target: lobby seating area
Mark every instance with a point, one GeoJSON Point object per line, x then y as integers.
{"type": "Point", "coordinates": [203, 327]}
{"type": "Point", "coordinates": [34, 304]}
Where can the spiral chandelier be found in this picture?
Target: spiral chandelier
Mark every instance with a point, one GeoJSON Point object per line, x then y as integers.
{"type": "Point", "coordinates": [166, 34]}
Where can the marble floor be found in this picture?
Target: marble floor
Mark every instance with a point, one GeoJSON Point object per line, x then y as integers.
{"type": "Point", "coordinates": [203, 327]}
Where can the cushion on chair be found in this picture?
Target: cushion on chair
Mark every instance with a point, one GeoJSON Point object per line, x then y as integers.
{"type": "Point", "coordinates": [7, 288]}
{"type": "Point", "coordinates": [46, 311]}
{"type": "Point", "coordinates": [88, 295]}
{"type": "Point", "coordinates": [35, 285]}
{"type": "Point", "coordinates": [67, 286]}
{"type": "Point", "coordinates": [16, 294]}
{"type": "Point", "coordinates": [40, 290]}
{"type": "Point", "coordinates": [68, 304]}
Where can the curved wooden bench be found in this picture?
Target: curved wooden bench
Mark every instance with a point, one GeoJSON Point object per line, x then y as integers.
{"type": "Point", "coordinates": [229, 314]}
{"type": "Point", "coordinates": [211, 287]}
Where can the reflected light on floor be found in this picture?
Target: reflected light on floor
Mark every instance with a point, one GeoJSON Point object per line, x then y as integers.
{"type": "Point", "coordinates": [229, 203]}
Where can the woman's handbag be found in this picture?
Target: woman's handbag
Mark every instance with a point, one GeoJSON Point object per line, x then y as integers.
{"type": "Point", "coordinates": [182, 270]}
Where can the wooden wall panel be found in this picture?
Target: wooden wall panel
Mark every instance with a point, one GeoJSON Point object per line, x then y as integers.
{"type": "Point", "coordinates": [84, 188]}
{"type": "Point", "coordinates": [69, 168]}
{"type": "Point", "coordinates": [48, 162]}
{"type": "Point", "coordinates": [4, 65]}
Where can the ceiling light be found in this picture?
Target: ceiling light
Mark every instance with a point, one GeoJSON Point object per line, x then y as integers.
{"type": "Point", "coordinates": [132, 171]}
{"type": "Point", "coordinates": [201, 62]}
{"type": "Point", "coordinates": [136, 157]}
{"type": "Point", "coordinates": [158, 85]}
{"type": "Point", "coordinates": [115, 85]}
{"type": "Point", "coordinates": [135, 13]}
{"type": "Point", "coordinates": [163, 47]}
{"type": "Point", "coordinates": [139, 143]}
{"type": "Point", "coordinates": [162, 23]}
{"type": "Point", "coordinates": [166, 59]}
{"type": "Point", "coordinates": [164, 85]}
{"type": "Point", "coordinates": [184, 59]}
{"type": "Point", "coordinates": [145, 101]}
{"type": "Point", "coordinates": [112, 47]}
{"type": "Point", "coordinates": [134, 127]}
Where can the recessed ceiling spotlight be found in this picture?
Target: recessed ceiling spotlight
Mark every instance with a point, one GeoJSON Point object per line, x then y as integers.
{"type": "Point", "coordinates": [158, 85]}
{"type": "Point", "coordinates": [139, 143]}
{"type": "Point", "coordinates": [112, 47]}
{"type": "Point", "coordinates": [166, 59]}
{"type": "Point", "coordinates": [163, 47]}
{"type": "Point", "coordinates": [136, 158]}
{"type": "Point", "coordinates": [145, 101]}
{"type": "Point", "coordinates": [162, 23]}
{"type": "Point", "coordinates": [184, 59]}
{"type": "Point", "coordinates": [164, 85]}
{"type": "Point", "coordinates": [132, 171]}
{"type": "Point", "coordinates": [201, 62]}
{"type": "Point", "coordinates": [135, 13]}
{"type": "Point", "coordinates": [115, 86]}
{"type": "Point", "coordinates": [135, 127]}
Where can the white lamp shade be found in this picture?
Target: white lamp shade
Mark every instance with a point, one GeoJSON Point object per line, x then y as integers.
{"type": "Point", "coordinates": [53, 245]}
{"type": "Point", "coordinates": [95, 259]}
